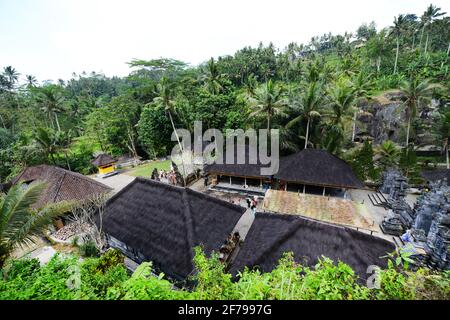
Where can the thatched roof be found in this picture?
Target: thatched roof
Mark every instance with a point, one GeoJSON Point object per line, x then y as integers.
{"type": "Point", "coordinates": [164, 223]}
{"type": "Point", "coordinates": [240, 170]}
{"type": "Point", "coordinates": [436, 175]}
{"type": "Point", "coordinates": [273, 234]}
{"type": "Point", "coordinates": [103, 160]}
{"type": "Point", "coordinates": [62, 185]}
{"type": "Point", "coordinates": [317, 167]}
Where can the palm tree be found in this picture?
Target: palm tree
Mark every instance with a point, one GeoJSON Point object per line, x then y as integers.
{"type": "Point", "coordinates": [396, 30]}
{"type": "Point", "coordinates": [50, 100]}
{"type": "Point", "coordinates": [415, 91]}
{"type": "Point", "coordinates": [308, 107]}
{"type": "Point", "coordinates": [46, 139]}
{"type": "Point", "coordinates": [11, 75]}
{"type": "Point", "coordinates": [268, 100]}
{"type": "Point", "coordinates": [377, 48]}
{"type": "Point", "coordinates": [341, 97]}
{"type": "Point", "coordinates": [362, 83]}
{"type": "Point", "coordinates": [389, 153]}
{"type": "Point", "coordinates": [63, 140]}
{"type": "Point", "coordinates": [31, 81]}
{"type": "Point", "coordinates": [19, 222]}
{"type": "Point", "coordinates": [164, 100]}
{"type": "Point", "coordinates": [431, 14]}
{"type": "Point", "coordinates": [212, 77]}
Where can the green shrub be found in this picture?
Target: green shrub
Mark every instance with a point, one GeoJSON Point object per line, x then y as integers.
{"type": "Point", "coordinates": [89, 249]}
{"type": "Point", "coordinates": [68, 277]}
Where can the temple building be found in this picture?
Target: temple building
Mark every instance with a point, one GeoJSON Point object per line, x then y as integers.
{"type": "Point", "coordinates": [153, 221]}
{"type": "Point", "coordinates": [105, 163]}
{"type": "Point", "coordinates": [309, 171]}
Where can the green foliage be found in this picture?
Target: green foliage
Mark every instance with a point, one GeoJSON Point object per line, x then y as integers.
{"type": "Point", "coordinates": [154, 131]}
{"type": "Point", "coordinates": [362, 163]}
{"type": "Point", "coordinates": [106, 278]}
{"type": "Point", "coordinates": [409, 166]}
{"type": "Point", "coordinates": [19, 221]}
{"type": "Point", "coordinates": [88, 249]}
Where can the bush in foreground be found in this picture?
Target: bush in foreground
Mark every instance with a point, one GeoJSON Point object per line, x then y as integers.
{"type": "Point", "coordinates": [67, 277]}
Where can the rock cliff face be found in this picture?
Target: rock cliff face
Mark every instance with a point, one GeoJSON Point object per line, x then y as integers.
{"type": "Point", "coordinates": [384, 118]}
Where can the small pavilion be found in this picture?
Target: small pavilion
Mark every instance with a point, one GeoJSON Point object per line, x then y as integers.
{"type": "Point", "coordinates": [105, 164]}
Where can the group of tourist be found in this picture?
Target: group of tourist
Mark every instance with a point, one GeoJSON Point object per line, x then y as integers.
{"type": "Point", "coordinates": [167, 176]}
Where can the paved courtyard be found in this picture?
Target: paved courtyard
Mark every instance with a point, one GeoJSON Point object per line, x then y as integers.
{"type": "Point", "coordinates": [116, 182]}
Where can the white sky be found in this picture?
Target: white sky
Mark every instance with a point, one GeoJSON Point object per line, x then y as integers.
{"type": "Point", "coordinates": [50, 39]}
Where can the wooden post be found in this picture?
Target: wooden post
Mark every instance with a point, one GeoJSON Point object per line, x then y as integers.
{"type": "Point", "coordinates": [230, 180]}
{"type": "Point", "coordinates": [260, 183]}
{"type": "Point", "coordinates": [323, 192]}
{"type": "Point", "coordinates": [285, 186]}
{"type": "Point", "coordinates": [304, 189]}
{"type": "Point", "coordinates": [245, 181]}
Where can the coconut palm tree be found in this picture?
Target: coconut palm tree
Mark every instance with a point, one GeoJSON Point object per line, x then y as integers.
{"type": "Point", "coordinates": [46, 140]}
{"type": "Point", "coordinates": [212, 78]}
{"type": "Point", "coordinates": [31, 81]}
{"type": "Point", "coordinates": [362, 84]}
{"type": "Point", "coordinates": [377, 48]}
{"type": "Point", "coordinates": [415, 92]}
{"type": "Point", "coordinates": [11, 75]}
{"type": "Point", "coordinates": [307, 107]}
{"type": "Point", "coordinates": [341, 97]}
{"type": "Point", "coordinates": [431, 14]}
{"type": "Point", "coordinates": [164, 100]}
{"type": "Point", "coordinates": [19, 222]}
{"type": "Point", "coordinates": [50, 101]}
{"type": "Point", "coordinates": [269, 101]}
{"type": "Point", "coordinates": [396, 30]}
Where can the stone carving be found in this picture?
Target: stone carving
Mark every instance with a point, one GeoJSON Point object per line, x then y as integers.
{"type": "Point", "coordinates": [432, 224]}
{"type": "Point", "coordinates": [400, 216]}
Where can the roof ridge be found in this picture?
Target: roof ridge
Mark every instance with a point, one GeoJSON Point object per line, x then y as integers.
{"type": "Point", "coordinates": [59, 186]}
{"type": "Point", "coordinates": [121, 191]}
{"type": "Point", "coordinates": [190, 228]}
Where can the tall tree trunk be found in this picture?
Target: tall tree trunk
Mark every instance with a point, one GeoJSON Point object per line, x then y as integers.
{"type": "Point", "coordinates": [268, 123]}
{"type": "Point", "coordinates": [133, 146]}
{"type": "Point", "coordinates": [57, 122]}
{"type": "Point", "coordinates": [426, 43]}
{"type": "Point", "coordinates": [3, 122]}
{"type": "Point", "coordinates": [396, 56]}
{"type": "Point", "coordinates": [421, 36]}
{"type": "Point", "coordinates": [179, 144]}
{"type": "Point", "coordinates": [378, 64]}
{"type": "Point", "coordinates": [307, 133]}
{"type": "Point", "coordinates": [407, 132]}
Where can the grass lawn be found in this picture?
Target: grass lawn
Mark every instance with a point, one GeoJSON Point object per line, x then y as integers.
{"type": "Point", "coordinates": [145, 170]}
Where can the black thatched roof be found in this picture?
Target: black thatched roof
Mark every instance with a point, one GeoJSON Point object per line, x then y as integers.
{"type": "Point", "coordinates": [103, 160]}
{"type": "Point", "coordinates": [273, 234]}
{"type": "Point", "coordinates": [317, 167]}
{"type": "Point", "coordinates": [164, 223]}
{"type": "Point", "coordinates": [241, 170]}
{"type": "Point", "coordinates": [62, 185]}
{"type": "Point", "coordinates": [436, 175]}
